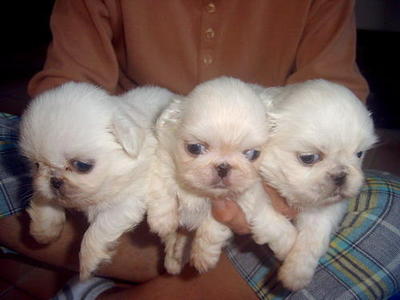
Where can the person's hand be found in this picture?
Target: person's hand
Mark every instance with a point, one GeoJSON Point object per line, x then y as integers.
{"type": "Point", "coordinates": [279, 203]}
{"type": "Point", "coordinates": [229, 213]}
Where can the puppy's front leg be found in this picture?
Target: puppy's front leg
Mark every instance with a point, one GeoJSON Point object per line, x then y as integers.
{"type": "Point", "coordinates": [270, 227]}
{"type": "Point", "coordinates": [47, 220]}
{"type": "Point", "coordinates": [267, 225]}
{"type": "Point", "coordinates": [162, 203]}
{"type": "Point", "coordinates": [209, 239]}
{"type": "Point", "coordinates": [314, 230]}
{"type": "Point", "coordinates": [162, 214]}
{"type": "Point", "coordinates": [104, 230]}
{"type": "Point", "coordinates": [175, 245]}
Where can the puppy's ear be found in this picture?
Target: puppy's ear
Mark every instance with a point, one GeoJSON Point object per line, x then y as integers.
{"type": "Point", "coordinates": [128, 133]}
{"type": "Point", "coordinates": [273, 122]}
{"type": "Point", "coordinates": [172, 115]}
{"type": "Point", "coordinates": [272, 117]}
{"type": "Point", "coordinates": [270, 98]}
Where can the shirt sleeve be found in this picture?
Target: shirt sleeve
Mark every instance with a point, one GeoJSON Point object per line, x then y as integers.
{"type": "Point", "coordinates": [81, 49]}
{"type": "Point", "coordinates": [328, 47]}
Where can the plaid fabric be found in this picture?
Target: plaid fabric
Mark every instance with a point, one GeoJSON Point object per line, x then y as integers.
{"type": "Point", "coordinates": [363, 261]}
{"type": "Point", "coordinates": [15, 182]}
{"type": "Point", "coordinates": [84, 290]}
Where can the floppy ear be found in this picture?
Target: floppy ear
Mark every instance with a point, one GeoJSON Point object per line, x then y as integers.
{"type": "Point", "coordinates": [171, 115]}
{"type": "Point", "coordinates": [273, 122]}
{"type": "Point", "coordinates": [272, 118]}
{"type": "Point", "coordinates": [128, 134]}
{"type": "Point", "coordinates": [270, 97]}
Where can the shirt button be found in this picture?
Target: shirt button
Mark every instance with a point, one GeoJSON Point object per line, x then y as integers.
{"type": "Point", "coordinates": [207, 59]}
{"type": "Point", "coordinates": [211, 8]}
{"type": "Point", "coordinates": [210, 33]}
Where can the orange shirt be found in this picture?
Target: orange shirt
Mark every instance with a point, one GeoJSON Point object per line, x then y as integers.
{"type": "Point", "coordinates": [180, 43]}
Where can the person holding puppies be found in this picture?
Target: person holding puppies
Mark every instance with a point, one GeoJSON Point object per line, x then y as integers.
{"type": "Point", "coordinates": [176, 44]}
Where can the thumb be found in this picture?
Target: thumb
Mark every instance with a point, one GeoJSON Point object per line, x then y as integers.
{"type": "Point", "coordinates": [222, 211]}
{"type": "Point", "coordinates": [229, 213]}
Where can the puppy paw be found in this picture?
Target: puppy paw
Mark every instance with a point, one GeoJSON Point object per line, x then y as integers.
{"type": "Point", "coordinates": [173, 265]}
{"type": "Point", "coordinates": [84, 273]}
{"type": "Point", "coordinates": [46, 234]}
{"type": "Point", "coordinates": [260, 238]}
{"type": "Point", "coordinates": [280, 240]}
{"type": "Point", "coordinates": [282, 246]}
{"type": "Point", "coordinates": [295, 275]}
{"type": "Point", "coordinates": [203, 261]}
{"type": "Point", "coordinates": [90, 260]}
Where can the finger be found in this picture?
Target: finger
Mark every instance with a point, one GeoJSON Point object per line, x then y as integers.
{"type": "Point", "coordinates": [279, 203]}
{"type": "Point", "coordinates": [230, 214]}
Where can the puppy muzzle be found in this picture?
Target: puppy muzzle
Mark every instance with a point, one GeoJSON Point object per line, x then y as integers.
{"type": "Point", "coordinates": [223, 169]}
{"type": "Point", "coordinates": [339, 179]}
{"type": "Point", "coordinates": [56, 183]}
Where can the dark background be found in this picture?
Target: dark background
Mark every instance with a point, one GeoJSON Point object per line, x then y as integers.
{"type": "Point", "coordinates": [25, 34]}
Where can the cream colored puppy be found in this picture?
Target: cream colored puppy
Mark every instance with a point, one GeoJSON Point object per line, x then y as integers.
{"type": "Point", "coordinates": [313, 158]}
{"type": "Point", "coordinates": [91, 152]}
{"type": "Point", "coordinates": [210, 148]}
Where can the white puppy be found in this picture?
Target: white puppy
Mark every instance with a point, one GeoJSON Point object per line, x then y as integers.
{"type": "Point", "coordinates": [210, 147]}
{"type": "Point", "coordinates": [313, 158]}
{"type": "Point", "coordinates": [91, 152]}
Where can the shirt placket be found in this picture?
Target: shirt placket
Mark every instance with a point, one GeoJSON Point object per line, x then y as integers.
{"type": "Point", "coordinates": [208, 36]}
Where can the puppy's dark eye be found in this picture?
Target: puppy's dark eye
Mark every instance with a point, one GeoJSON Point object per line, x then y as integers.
{"type": "Point", "coordinates": [196, 149]}
{"type": "Point", "coordinates": [359, 154]}
{"type": "Point", "coordinates": [309, 158]}
{"type": "Point", "coordinates": [82, 167]}
{"type": "Point", "coordinates": [37, 166]}
{"type": "Point", "coordinates": [251, 154]}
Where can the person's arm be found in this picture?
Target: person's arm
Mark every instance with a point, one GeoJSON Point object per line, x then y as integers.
{"type": "Point", "coordinates": [81, 49]}
{"type": "Point", "coordinates": [328, 47]}
{"type": "Point", "coordinates": [138, 253]}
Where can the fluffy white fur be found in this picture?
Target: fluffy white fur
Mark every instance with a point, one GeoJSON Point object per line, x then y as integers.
{"type": "Point", "coordinates": [90, 151]}
{"type": "Point", "coordinates": [227, 119]}
{"type": "Point", "coordinates": [322, 121]}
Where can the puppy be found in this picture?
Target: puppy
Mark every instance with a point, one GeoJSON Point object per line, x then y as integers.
{"type": "Point", "coordinates": [313, 158]}
{"type": "Point", "coordinates": [210, 148]}
{"type": "Point", "coordinates": [91, 152]}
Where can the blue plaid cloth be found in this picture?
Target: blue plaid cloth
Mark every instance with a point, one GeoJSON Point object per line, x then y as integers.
{"type": "Point", "coordinates": [363, 261]}
{"type": "Point", "coordinates": [15, 182]}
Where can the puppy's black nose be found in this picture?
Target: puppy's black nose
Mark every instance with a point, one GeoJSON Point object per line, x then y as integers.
{"type": "Point", "coordinates": [56, 182]}
{"type": "Point", "coordinates": [223, 169]}
{"type": "Point", "coordinates": [339, 179]}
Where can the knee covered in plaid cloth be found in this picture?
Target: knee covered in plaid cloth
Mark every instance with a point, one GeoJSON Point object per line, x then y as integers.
{"type": "Point", "coordinates": [363, 260]}
{"type": "Point", "coordinates": [15, 180]}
